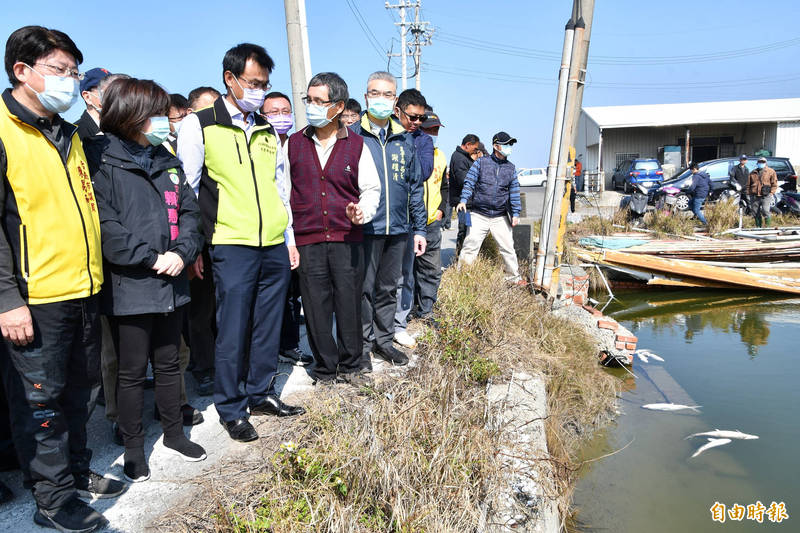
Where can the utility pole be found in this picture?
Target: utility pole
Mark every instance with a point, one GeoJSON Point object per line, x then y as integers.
{"type": "Point", "coordinates": [421, 36]}
{"type": "Point", "coordinates": [299, 60]}
{"type": "Point", "coordinates": [548, 255]}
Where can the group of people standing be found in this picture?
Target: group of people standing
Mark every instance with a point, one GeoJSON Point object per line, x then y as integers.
{"type": "Point", "coordinates": [162, 200]}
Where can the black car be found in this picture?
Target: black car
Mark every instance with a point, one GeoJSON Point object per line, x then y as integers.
{"type": "Point", "coordinates": [719, 171]}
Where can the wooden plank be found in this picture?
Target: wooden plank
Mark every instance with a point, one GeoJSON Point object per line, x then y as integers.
{"type": "Point", "coordinates": [698, 270]}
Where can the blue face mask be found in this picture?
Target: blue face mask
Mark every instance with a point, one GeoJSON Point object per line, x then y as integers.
{"type": "Point", "coordinates": [761, 165]}
{"type": "Point", "coordinates": [59, 93]}
{"type": "Point", "coordinates": [505, 149]}
{"type": "Point", "coordinates": [380, 108]}
{"type": "Point", "coordinates": [159, 130]}
{"type": "Point", "coordinates": [317, 115]}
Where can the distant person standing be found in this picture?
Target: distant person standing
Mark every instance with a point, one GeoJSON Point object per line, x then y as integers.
{"type": "Point", "coordinates": [578, 175]}
{"type": "Point", "coordinates": [762, 183]}
{"type": "Point", "coordinates": [740, 173]}
{"type": "Point", "coordinates": [460, 163]}
{"type": "Point", "coordinates": [493, 189]}
{"type": "Point", "coordinates": [352, 112]}
{"type": "Point", "coordinates": [698, 190]}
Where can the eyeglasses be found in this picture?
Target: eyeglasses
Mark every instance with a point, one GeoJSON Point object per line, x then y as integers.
{"type": "Point", "coordinates": [316, 101]}
{"type": "Point", "coordinates": [179, 117]}
{"type": "Point", "coordinates": [377, 94]}
{"type": "Point", "coordinates": [64, 71]}
{"type": "Point", "coordinates": [415, 118]}
{"type": "Point", "coordinates": [354, 116]}
{"type": "Point", "coordinates": [278, 114]}
{"type": "Point", "coordinates": [252, 84]}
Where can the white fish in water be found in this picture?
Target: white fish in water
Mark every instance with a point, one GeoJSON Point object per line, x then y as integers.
{"type": "Point", "coordinates": [648, 354]}
{"type": "Point", "coordinates": [642, 356]}
{"type": "Point", "coordinates": [670, 407]}
{"type": "Point", "coordinates": [712, 443]}
{"type": "Point", "coordinates": [724, 434]}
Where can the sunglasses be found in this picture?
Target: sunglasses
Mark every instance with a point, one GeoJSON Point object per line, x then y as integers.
{"type": "Point", "coordinates": [415, 118]}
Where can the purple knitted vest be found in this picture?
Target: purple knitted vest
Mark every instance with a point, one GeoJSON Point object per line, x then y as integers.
{"type": "Point", "coordinates": [320, 196]}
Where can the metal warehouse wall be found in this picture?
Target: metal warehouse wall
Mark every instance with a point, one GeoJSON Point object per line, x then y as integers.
{"type": "Point", "coordinates": [787, 143]}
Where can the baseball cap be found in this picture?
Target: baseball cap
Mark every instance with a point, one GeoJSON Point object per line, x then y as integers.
{"type": "Point", "coordinates": [762, 159]}
{"type": "Point", "coordinates": [503, 138]}
{"type": "Point", "coordinates": [433, 121]}
{"type": "Point", "coordinates": [743, 156]}
{"type": "Point", "coordinates": [92, 77]}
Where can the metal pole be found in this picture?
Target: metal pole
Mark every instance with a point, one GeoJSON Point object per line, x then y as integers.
{"type": "Point", "coordinates": [418, 49]}
{"type": "Point", "coordinates": [577, 71]}
{"type": "Point", "coordinates": [403, 51]}
{"type": "Point", "coordinates": [294, 35]}
{"type": "Point", "coordinates": [601, 178]}
{"type": "Point", "coordinates": [563, 75]}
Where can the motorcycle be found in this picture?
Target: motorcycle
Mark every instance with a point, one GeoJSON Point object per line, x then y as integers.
{"type": "Point", "coordinates": [787, 202]}
{"type": "Point", "coordinates": [636, 203]}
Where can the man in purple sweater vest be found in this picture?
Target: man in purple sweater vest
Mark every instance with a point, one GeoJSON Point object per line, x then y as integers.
{"type": "Point", "coordinates": [335, 189]}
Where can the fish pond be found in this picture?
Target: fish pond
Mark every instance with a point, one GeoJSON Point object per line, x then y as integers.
{"type": "Point", "coordinates": [738, 356]}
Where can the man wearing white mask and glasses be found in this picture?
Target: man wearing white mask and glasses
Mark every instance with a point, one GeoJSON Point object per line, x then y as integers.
{"type": "Point", "coordinates": [50, 276]}
{"type": "Point", "coordinates": [235, 155]}
{"type": "Point", "coordinates": [335, 190]}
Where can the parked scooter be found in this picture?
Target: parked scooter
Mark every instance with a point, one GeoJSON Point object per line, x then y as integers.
{"type": "Point", "coordinates": [636, 203]}
{"type": "Point", "coordinates": [787, 202]}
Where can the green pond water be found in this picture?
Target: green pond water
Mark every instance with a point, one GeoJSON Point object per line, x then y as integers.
{"type": "Point", "coordinates": [738, 356]}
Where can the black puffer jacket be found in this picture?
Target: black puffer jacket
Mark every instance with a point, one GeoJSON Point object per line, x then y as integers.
{"type": "Point", "coordinates": [460, 163]}
{"type": "Point", "coordinates": [146, 208]}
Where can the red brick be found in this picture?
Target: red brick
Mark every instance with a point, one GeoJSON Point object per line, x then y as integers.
{"type": "Point", "coordinates": [630, 345]}
{"type": "Point", "coordinates": [579, 299]}
{"type": "Point", "coordinates": [619, 345]}
{"type": "Point", "coordinates": [627, 338]}
{"type": "Point", "coordinates": [592, 310]}
{"type": "Point", "coordinates": [607, 324]}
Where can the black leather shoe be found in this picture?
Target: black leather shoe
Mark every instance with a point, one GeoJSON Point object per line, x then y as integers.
{"type": "Point", "coordinates": [240, 430]}
{"type": "Point", "coordinates": [272, 405]}
{"type": "Point", "coordinates": [391, 354]}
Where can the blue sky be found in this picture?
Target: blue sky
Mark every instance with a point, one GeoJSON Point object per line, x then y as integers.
{"type": "Point", "coordinates": [492, 65]}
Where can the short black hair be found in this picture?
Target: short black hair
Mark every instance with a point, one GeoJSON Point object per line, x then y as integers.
{"type": "Point", "coordinates": [236, 58]}
{"type": "Point", "coordinates": [353, 106]}
{"type": "Point", "coordinates": [693, 165]}
{"type": "Point", "coordinates": [337, 88]}
{"type": "Point", "coordinates": [410, 97]}
{"type": "Point", "coordinates": [194, 94]}
{"type": "Point", "coordinates": [277, 94]}
{"type": "Point", "coordinates": [178, 101]}
{"type": "Point", "coordinates": [470, 138]}
{"type": "Point", "coordinates": [31, 43]}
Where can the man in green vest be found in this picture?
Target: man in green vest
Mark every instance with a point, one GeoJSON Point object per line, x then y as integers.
{"type": "Point", "coordinates": [50, 274]}
{"type": "Point", "coordinates": [231, 156]}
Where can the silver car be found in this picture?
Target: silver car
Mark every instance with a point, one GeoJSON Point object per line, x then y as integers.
{"type": "Point", "coordinates": [531, 177]}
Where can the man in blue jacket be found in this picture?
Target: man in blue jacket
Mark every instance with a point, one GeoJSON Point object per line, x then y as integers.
{"type": "Point", "coordinates": [492, 186]}
{"type": "Point", "coordinates": [698, 190]}
{"type": "Point", "coordinates": [401, 210]}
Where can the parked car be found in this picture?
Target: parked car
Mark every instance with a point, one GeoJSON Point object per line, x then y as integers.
{"type": "Point", "coordinates": [637, 171]}
{"type": "Point", "coordinates": [531, 177]}
{"type": "Point", "coordinates": [719, 171]}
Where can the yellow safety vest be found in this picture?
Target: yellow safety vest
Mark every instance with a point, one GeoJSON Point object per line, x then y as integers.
{"type": "Point", "coordinates": [433, 185]}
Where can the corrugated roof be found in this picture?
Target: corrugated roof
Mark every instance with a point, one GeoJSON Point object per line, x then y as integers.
{"type": "Point", "coordinates": [627, 116]}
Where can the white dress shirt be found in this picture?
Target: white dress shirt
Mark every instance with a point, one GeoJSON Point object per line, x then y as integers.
{"type": "Point", "coordinates": [192, 153]}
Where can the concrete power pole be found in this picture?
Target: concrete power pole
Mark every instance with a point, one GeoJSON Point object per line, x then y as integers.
{"type": "Point", "coordinates": [554, 217]}
{"type": "Point", "coordinates": [403, 41]}
{"type": "Point", "coordinates": [421, 37]}
{"type": "Point", "coordinates": [299, 60]}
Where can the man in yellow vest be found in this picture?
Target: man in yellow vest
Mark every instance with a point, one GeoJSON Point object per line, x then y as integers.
{"type": "Point", "coordinates": [231, 156]}
{"type": "Point", "coordinates": [50, 274]}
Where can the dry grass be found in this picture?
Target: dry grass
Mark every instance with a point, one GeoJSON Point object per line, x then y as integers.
{"type": "Point", "coordinates": [663, 223]}
{"type": "Point", "coordinates": [414, 453]}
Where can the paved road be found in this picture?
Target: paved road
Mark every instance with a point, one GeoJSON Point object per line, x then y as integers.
{"type": "Point", "coordinates": [534, 198]}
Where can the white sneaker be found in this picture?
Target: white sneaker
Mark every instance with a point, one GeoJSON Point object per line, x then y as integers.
{"type": "Point", "coordinates": [404, 339]}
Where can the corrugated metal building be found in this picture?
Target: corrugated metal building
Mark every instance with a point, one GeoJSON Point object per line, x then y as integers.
{"type": "Point", "coordinates": [701, 131]}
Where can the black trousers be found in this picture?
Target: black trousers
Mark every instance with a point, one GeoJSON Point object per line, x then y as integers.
{"type": "Point", "coordinates": [428, 270]}
{"type": "Point", "coordinates": [462, 234]}
{"type": "Point", "coordinates": [331, 277]}
{"type": "Point", "coordinates": [290, 328]}
{"type": "Point", "coordinates": [202, 322]}
{"type": "Point", "coordinates": [8, 455]}
{"type": "Point", "coordinates": [51, 386]}
{"type": "Point", "coordinates": [383, 255]}
{"type": "Point", "coordinates": [136, 337]}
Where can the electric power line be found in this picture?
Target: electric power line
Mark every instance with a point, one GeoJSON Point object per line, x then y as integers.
{"type": "Point", "coordinates": [365, 29]}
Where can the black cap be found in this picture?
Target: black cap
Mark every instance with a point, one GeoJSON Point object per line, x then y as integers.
{"type": "Point", "coordinates": [432, 122]}
{"type": "Point", "coordinates": [743, 157]}
{"type": "Point", "coordinates": [92, 77]}
{"type": "Point", "coordinates": [503, 138]}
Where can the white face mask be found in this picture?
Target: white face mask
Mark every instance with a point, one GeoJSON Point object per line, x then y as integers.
{"type": "Point", "coordinates": [505, 149]}
{"type": "Point", "coordinates": [59, 94]}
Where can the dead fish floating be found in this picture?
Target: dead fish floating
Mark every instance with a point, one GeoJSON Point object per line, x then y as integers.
{"type": "Point", "coordinates": [724, 434]}
{"type": "Point", "coordinates": [712, 443]}
{"type": "Point", "coordinates": [670, 407]}
{"type": "Point", "coordinates": [644, 355]}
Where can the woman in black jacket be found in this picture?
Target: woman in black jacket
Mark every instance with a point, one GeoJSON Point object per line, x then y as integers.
{"type": "Point", "coordinates": [150, 229]}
